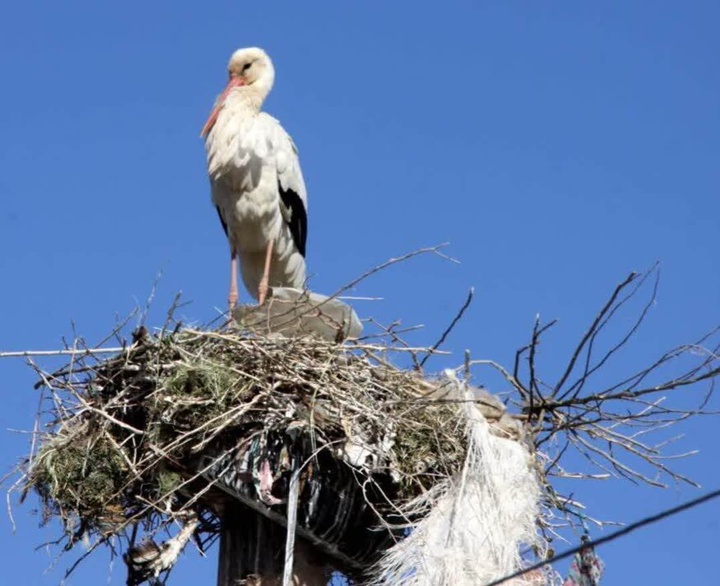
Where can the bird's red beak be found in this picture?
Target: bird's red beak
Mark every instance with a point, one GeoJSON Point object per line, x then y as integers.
{"type": "Point", "coordinates": [233, 83]}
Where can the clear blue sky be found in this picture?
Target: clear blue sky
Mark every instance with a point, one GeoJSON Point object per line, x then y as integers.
{"type": "Point", "coordinates": [557, 146]}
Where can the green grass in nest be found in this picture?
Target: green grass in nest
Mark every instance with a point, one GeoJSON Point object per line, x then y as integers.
{"type": "Point", "coordinates": [85, 478]}
{"type": "Point", "coordinates": [199, 392]}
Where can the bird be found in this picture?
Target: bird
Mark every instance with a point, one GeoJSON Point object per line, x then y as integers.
{"type": "Point", "coordinates": [256, 182]}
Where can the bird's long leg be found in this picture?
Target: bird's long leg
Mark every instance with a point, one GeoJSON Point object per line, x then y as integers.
{"type": "Point", "coordinates": [265, 281]}
{"type": "Point", "coordinates": [233, 295]}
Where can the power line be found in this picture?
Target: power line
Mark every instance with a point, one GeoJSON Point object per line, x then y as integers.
{"type": "Point", "coordinates": [612, 536]}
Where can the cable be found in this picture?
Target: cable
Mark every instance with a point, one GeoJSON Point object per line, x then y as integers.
{"type": "Point", "coordinates": [612, 536]}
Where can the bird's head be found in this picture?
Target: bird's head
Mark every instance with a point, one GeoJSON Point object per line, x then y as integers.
{"type": "Point", "coordinates": [249, 70]}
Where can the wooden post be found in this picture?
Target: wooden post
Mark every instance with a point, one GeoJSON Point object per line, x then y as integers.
{"type": "Point", "coordinates": [250, 544]}
{"type": "Point", "coordinates": [252, 552]}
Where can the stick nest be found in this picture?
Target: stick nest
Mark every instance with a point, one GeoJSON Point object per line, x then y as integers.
{"type": "Point", "coordinates": [126, 433]}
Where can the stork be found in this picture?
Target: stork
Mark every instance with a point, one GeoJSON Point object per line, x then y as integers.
{"type": "Point", "coordinates": [256, 182]}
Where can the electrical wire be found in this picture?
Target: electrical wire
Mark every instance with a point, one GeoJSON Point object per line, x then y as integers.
{"type": "Point", "coordinates": [612, 536]}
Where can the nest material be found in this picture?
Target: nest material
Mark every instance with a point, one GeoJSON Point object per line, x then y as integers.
{"type": "Point", "coordinates": [129, 434]}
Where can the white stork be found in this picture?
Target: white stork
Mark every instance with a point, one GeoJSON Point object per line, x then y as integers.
{"type": "Point", "coordinates": [257, 185]}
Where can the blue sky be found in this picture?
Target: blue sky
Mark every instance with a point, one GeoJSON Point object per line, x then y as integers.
{"type": "Point", "coordinates": [556, 146]}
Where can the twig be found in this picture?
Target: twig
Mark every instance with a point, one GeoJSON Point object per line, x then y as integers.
{"type": "Point", "coordinates": [68, 352]}
{"type": "Point", "coordinates": [578, 349]}
{"type": "Point", "coordinates": [453, 323]}
{"type": "Point", "coordinates": [393, 261]}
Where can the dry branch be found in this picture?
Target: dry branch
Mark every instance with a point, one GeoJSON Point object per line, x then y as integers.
{"type": "Point", "coordinates": [609, 425]}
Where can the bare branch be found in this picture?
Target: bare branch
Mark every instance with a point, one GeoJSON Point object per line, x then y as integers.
{"type": "Point", "coordinates": [71, 352]}
{"type": "Point", "coordinates": [579, 348]}
{"type": "Point", "coordinates": [453, 323]}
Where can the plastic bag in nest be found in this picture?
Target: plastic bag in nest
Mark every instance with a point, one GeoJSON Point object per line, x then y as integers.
{"type": "Point", "coordinates": [297, 312]}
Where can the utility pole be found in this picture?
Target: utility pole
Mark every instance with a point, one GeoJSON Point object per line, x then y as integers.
{"type": "Point", "coordinates": [252, 551]}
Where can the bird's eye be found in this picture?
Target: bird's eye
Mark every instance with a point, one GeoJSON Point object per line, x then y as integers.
{"type": "Point", "coordinates": [246, 66]}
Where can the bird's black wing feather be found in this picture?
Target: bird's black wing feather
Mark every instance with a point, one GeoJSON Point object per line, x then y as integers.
{"type": "Point", "coordinates": [295, 216]}
{"type": "Point", "coordinates": [224, 225]}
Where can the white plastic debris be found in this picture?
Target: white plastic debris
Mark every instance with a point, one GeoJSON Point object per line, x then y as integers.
{"type": "Point", "coordinates": [296, 312]}
{"type": "Point", "coordinates": [477, 523]}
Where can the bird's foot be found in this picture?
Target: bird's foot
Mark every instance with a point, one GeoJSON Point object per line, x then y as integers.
{"type": "Point", "coordinates": [232, 302]}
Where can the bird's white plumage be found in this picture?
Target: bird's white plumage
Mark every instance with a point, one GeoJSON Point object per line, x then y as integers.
{"type": "Point", "coordinates": [252, 163]}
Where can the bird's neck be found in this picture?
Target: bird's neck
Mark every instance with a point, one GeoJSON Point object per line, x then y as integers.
{"type": "Point", "coordinates": [235, 119]}
{"type": "Point", "coordinates": [245, 101]}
